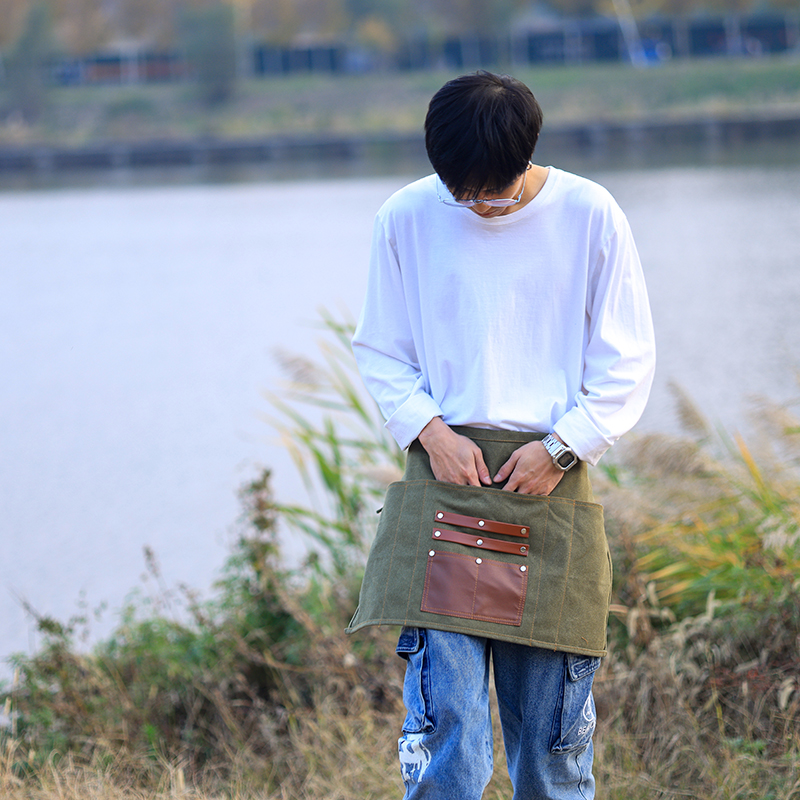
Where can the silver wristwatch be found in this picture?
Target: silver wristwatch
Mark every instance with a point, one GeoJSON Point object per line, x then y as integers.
{"type": "Point", "coordinates": [563, 457]}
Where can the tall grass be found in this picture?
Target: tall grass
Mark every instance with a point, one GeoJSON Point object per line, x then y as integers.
{"type": "Point", "coordinates": [255, 693]}
{"type": "Point", "coordinates": [705, 678]}
{"type": "Point", "coordinates": [338, 445]}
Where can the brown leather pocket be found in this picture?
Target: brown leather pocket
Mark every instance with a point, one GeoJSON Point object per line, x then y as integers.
{"type": "Point", "coordinates": [472, 587]}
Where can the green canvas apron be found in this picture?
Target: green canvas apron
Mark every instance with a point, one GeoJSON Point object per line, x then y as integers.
{"type": "Point", "coordinates": [521, 568]}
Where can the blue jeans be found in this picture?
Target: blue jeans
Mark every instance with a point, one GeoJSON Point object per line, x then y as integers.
{"type": "Point", "coordinates": [546, 710]}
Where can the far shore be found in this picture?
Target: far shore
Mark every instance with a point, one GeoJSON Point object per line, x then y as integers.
{"type": "Point", "coordinates": [372, 122]}
{"type": "Point", "coordinates": [591, 138]}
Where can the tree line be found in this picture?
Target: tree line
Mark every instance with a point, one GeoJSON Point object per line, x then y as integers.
{"type": "Point", "coordinates": [215, 41]}
{"type": "Point", "coordinates": [82, 26]}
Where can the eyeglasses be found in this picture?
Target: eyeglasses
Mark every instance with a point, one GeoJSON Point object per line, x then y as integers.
{"type": "Point", "coordinates": [499, 202]}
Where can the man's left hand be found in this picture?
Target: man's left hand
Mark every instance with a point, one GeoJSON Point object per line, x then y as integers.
{"type": "Point", "coordinates": [530, 470]}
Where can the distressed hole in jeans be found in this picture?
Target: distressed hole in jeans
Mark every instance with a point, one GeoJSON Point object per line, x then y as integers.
{"type": "Point", "coordinates": [415, 758]}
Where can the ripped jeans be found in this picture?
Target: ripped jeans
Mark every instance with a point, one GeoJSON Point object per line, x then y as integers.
{"type": "Point", "coordinates": [546, 710]}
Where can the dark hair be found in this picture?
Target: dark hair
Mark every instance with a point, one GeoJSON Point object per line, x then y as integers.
{"type": "Point", "coordinates": [480, 132]}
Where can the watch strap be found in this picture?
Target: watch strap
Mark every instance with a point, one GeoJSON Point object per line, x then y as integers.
{"type": "Point", "coordinates": [563, 456]}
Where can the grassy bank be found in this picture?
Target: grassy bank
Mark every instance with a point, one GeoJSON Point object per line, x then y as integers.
{"type": "Point", "coordinates": [256, 693]}
{"type": "Point", "coordinates": [397, 102]}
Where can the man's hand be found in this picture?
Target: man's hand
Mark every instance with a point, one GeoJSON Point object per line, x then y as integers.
{"type": "Point", "coordinates": [530, 470]}
{"type": "Point", "coordinates": [454, 458]}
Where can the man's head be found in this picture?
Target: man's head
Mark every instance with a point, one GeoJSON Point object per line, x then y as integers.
{"type": "Point", "coordinates": [480, 132]}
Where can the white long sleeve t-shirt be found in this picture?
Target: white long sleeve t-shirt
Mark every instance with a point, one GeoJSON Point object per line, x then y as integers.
{"type": "Point", "coordinates": [537, 320]}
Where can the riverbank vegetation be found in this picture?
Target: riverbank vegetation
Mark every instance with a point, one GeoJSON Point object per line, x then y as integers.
{"type": "Point", "coordinates": [256, 693]}
{"type": "Point", "coordinates": [396, 102]}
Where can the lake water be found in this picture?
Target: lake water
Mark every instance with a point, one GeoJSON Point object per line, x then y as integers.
{"type": "Point", "coordinates": [138, 327]}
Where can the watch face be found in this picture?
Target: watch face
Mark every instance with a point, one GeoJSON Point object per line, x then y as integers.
{"type": "Point", "coordinates": [566, 460]}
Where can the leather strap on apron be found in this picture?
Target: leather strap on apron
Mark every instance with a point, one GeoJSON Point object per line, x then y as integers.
{"type": "Point", "coordinates": [502, 565]}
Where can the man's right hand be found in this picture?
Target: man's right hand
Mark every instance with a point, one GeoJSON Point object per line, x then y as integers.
{"type": "Point", "coordinates": [454, 458]}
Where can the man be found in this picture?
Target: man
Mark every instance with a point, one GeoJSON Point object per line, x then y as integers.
{"type": "Point", "coordinates": [507, 338]}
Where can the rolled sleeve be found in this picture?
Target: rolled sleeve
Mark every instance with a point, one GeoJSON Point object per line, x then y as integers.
{"type": "Point", "coordinates": [411, 417]}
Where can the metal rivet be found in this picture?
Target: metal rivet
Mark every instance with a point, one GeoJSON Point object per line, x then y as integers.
{"type": "Point", "coordinates": [523, 531]}
{"type": "Point", "coordinates": [523, 549]}
{"type": "Point", "coordinates": [479, 542]}
{"type": "Point", "coordinates": [478, 561]}
{"type": "Point", "coordinates": [481, 523]}
{"type": "Point", "coordinates": [522, 569]}
{"type": "Point", "coordinates": [440, 515]}
{"type": "Point", "coordinates": [437, 533]}
{"type": "Point", "coordinates": [431, 552]}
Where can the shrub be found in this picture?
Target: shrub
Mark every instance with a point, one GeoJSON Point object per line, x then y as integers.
{"type": "Point", "coordinates": [219, 685]}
